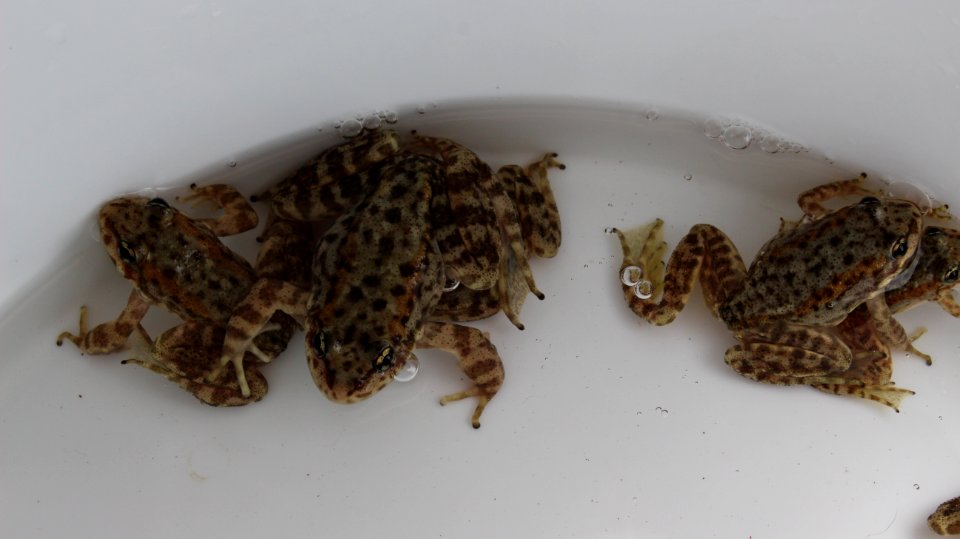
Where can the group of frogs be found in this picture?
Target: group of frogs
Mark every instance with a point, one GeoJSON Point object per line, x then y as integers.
{"type": "Point", "coordinates": [816, 305]}
{"type": "Point", "coordinates": [380, 245]}
{"type": "Point", "coordinates": [374, 248]}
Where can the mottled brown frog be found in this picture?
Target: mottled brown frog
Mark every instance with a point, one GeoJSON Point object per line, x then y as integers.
{"type": "Point", "coordinates": [804, 280]}
{"type": "Point", "coordinates": [409, 222]}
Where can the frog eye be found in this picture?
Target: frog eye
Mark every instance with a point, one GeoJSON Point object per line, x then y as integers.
{"type": "Point", "coordinates": [126, 253]}
{"type": "Point", "coordinates": [952, 274]}
{"type": "Point", "coordinates": [158, 202]}
{"type": "Point", "coordinates": [384, 359]}
{"type": "Point", "coordinates": [899, 248]}
{"type": "Point", "coordinates": [870, 201]}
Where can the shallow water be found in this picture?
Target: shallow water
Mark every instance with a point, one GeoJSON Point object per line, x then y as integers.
{"type": "Point", "coordinates": [605, 426]}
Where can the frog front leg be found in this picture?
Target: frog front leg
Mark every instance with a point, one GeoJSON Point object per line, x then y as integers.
{"type": "Point", "coordinates": [266, 297]}
{"type": "Point", "coordinates": [891, 331]}
{"type": "Point", "coordinates": [185, 355]}
{"type": "Point", "coordinates": [477, 356]}
{"type": "Point", "coordinates": [238, 215]}
{"type": "Point", "coordinates": [658, 294]}
{"type": "Point", "coordinates": [109, 336]}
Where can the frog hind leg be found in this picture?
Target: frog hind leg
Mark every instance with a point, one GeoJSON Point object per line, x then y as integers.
{"type": "Point", "coordinates": [184, 355]}
{"type": "Point", "coordinates": [529, 187]}
{"type": "Point", "coordinates": [705, 253]}
{"type": "Point", "coordinates": [788, 354]}
{"type": "Point", "coordinates": [485, 214]}
{"type": "Point", "coordinates": [238, 215]}
{"type": "Point", "coordinates": [109, 336]}
{"type": "Point", "coordinates": [811, 200]}
{"type": "Point", "coordinates": [477, 356]}
{"type": "Point", "coordinates": [868, 378]}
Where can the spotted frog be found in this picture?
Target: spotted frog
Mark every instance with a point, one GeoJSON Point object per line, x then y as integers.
{"type": "Point", "coordinates": [410, 221]}
{"type": "Point", "coordinates": [936, 273]}
{"type": "Point", "coordinates": [179, 263]}
{"type": "Point", "coordinates": [946, 519]}
{"type": "Point", "coordinates": [804, 280]}
{"type": "Point", "coordinates": [187, 353]}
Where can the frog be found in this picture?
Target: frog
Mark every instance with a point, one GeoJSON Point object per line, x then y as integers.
{"type": "Point", "coordinates": [171, 260]}
{"type": "Point", "coordinates": [936, 273]}
{"type": "Point", "coordinates": [532, 197]}
{"type": "Point", "coordinates": [186, 353]}
{"type": "Point", "coordinates": [803, 281]}
{"type": "Point", "coordinates": [408, 223]}
{"type": "Point", "coordinates": [945, 520]}
{"type": "Point", "coordinates": [179, 263]}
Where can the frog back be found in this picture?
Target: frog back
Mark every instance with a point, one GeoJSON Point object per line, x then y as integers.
{"type": "Point", "coordinates": [819, 271]}
{"type": "Point", "coordinates": [173, 260]}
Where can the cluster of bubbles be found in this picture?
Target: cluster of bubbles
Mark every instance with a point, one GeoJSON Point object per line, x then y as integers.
{"type": "Point", "coordinates": [633, 276]}
{"type": "Point", "coordinates": [354, 126]}
{"type": "Point", "coordinates": [739, 135]}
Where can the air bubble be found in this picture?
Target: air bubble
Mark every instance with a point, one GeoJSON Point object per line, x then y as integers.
{"type": "Point", "coordinates": [652, 114]}
{"type": "Point", "coordinates": [409, 370]}
{"type": "Point", "coordinates": [909, 191]}
{"type": "Point", "coordinates": [736, 137]}
{"type": "Point", "coordinates": [389, 116]}
{"type": "Point", "coordinates": [350, 128]}
{"type": "Point", "coordinates": [451, 285]}
{"type": "Point", "coordinates": [372, 122]}
{"type": "Point", "coordinates": [631, 275]}
{"type": "Point", "coordinates": [643, 289]}
{"type": "Point", "coordinates": [421, 109]}
{"type": "Point", "coordinates": [232, 164]}
{"type": "Point", "coordinates": [688, 177]}
{"type": "Point", "coordinates": [770, 143]}
{"type": "Point", "coordinates": [94, 230]}
{"type": "Point", "coordinates": [713, 128]}
{"type": "Point", "coordinates": [146, 192]}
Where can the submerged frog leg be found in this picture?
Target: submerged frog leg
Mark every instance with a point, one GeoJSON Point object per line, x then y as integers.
{"type": "Point", "coordinates": [530, 190]}
{"type": "Point", "coordinates": [865, 367]}
{"type": "Point", "coordinates": [868, 376]}
{"type": "Point", "coordinates": [946, 519]}
{"type": "Point", "coordinates": [536, 209]}
{"type": "Point", "coordinates": [238, 215]}
{"type": "Point", "coordinates": [265, 298]}
{"type": "Point", "coordinates": [705, 253]}
{"type": "Point", "coordinates": [109, 336]}
{"type": "Point", "coordinates": [477, 356]}
{"type": "Point", "coordinates": [186, 353]}
{"type": "Point", "coordinates": [790, 354]}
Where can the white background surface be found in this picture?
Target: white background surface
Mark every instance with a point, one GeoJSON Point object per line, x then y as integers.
{"type": "Point", "coordinates": [95, 102]}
